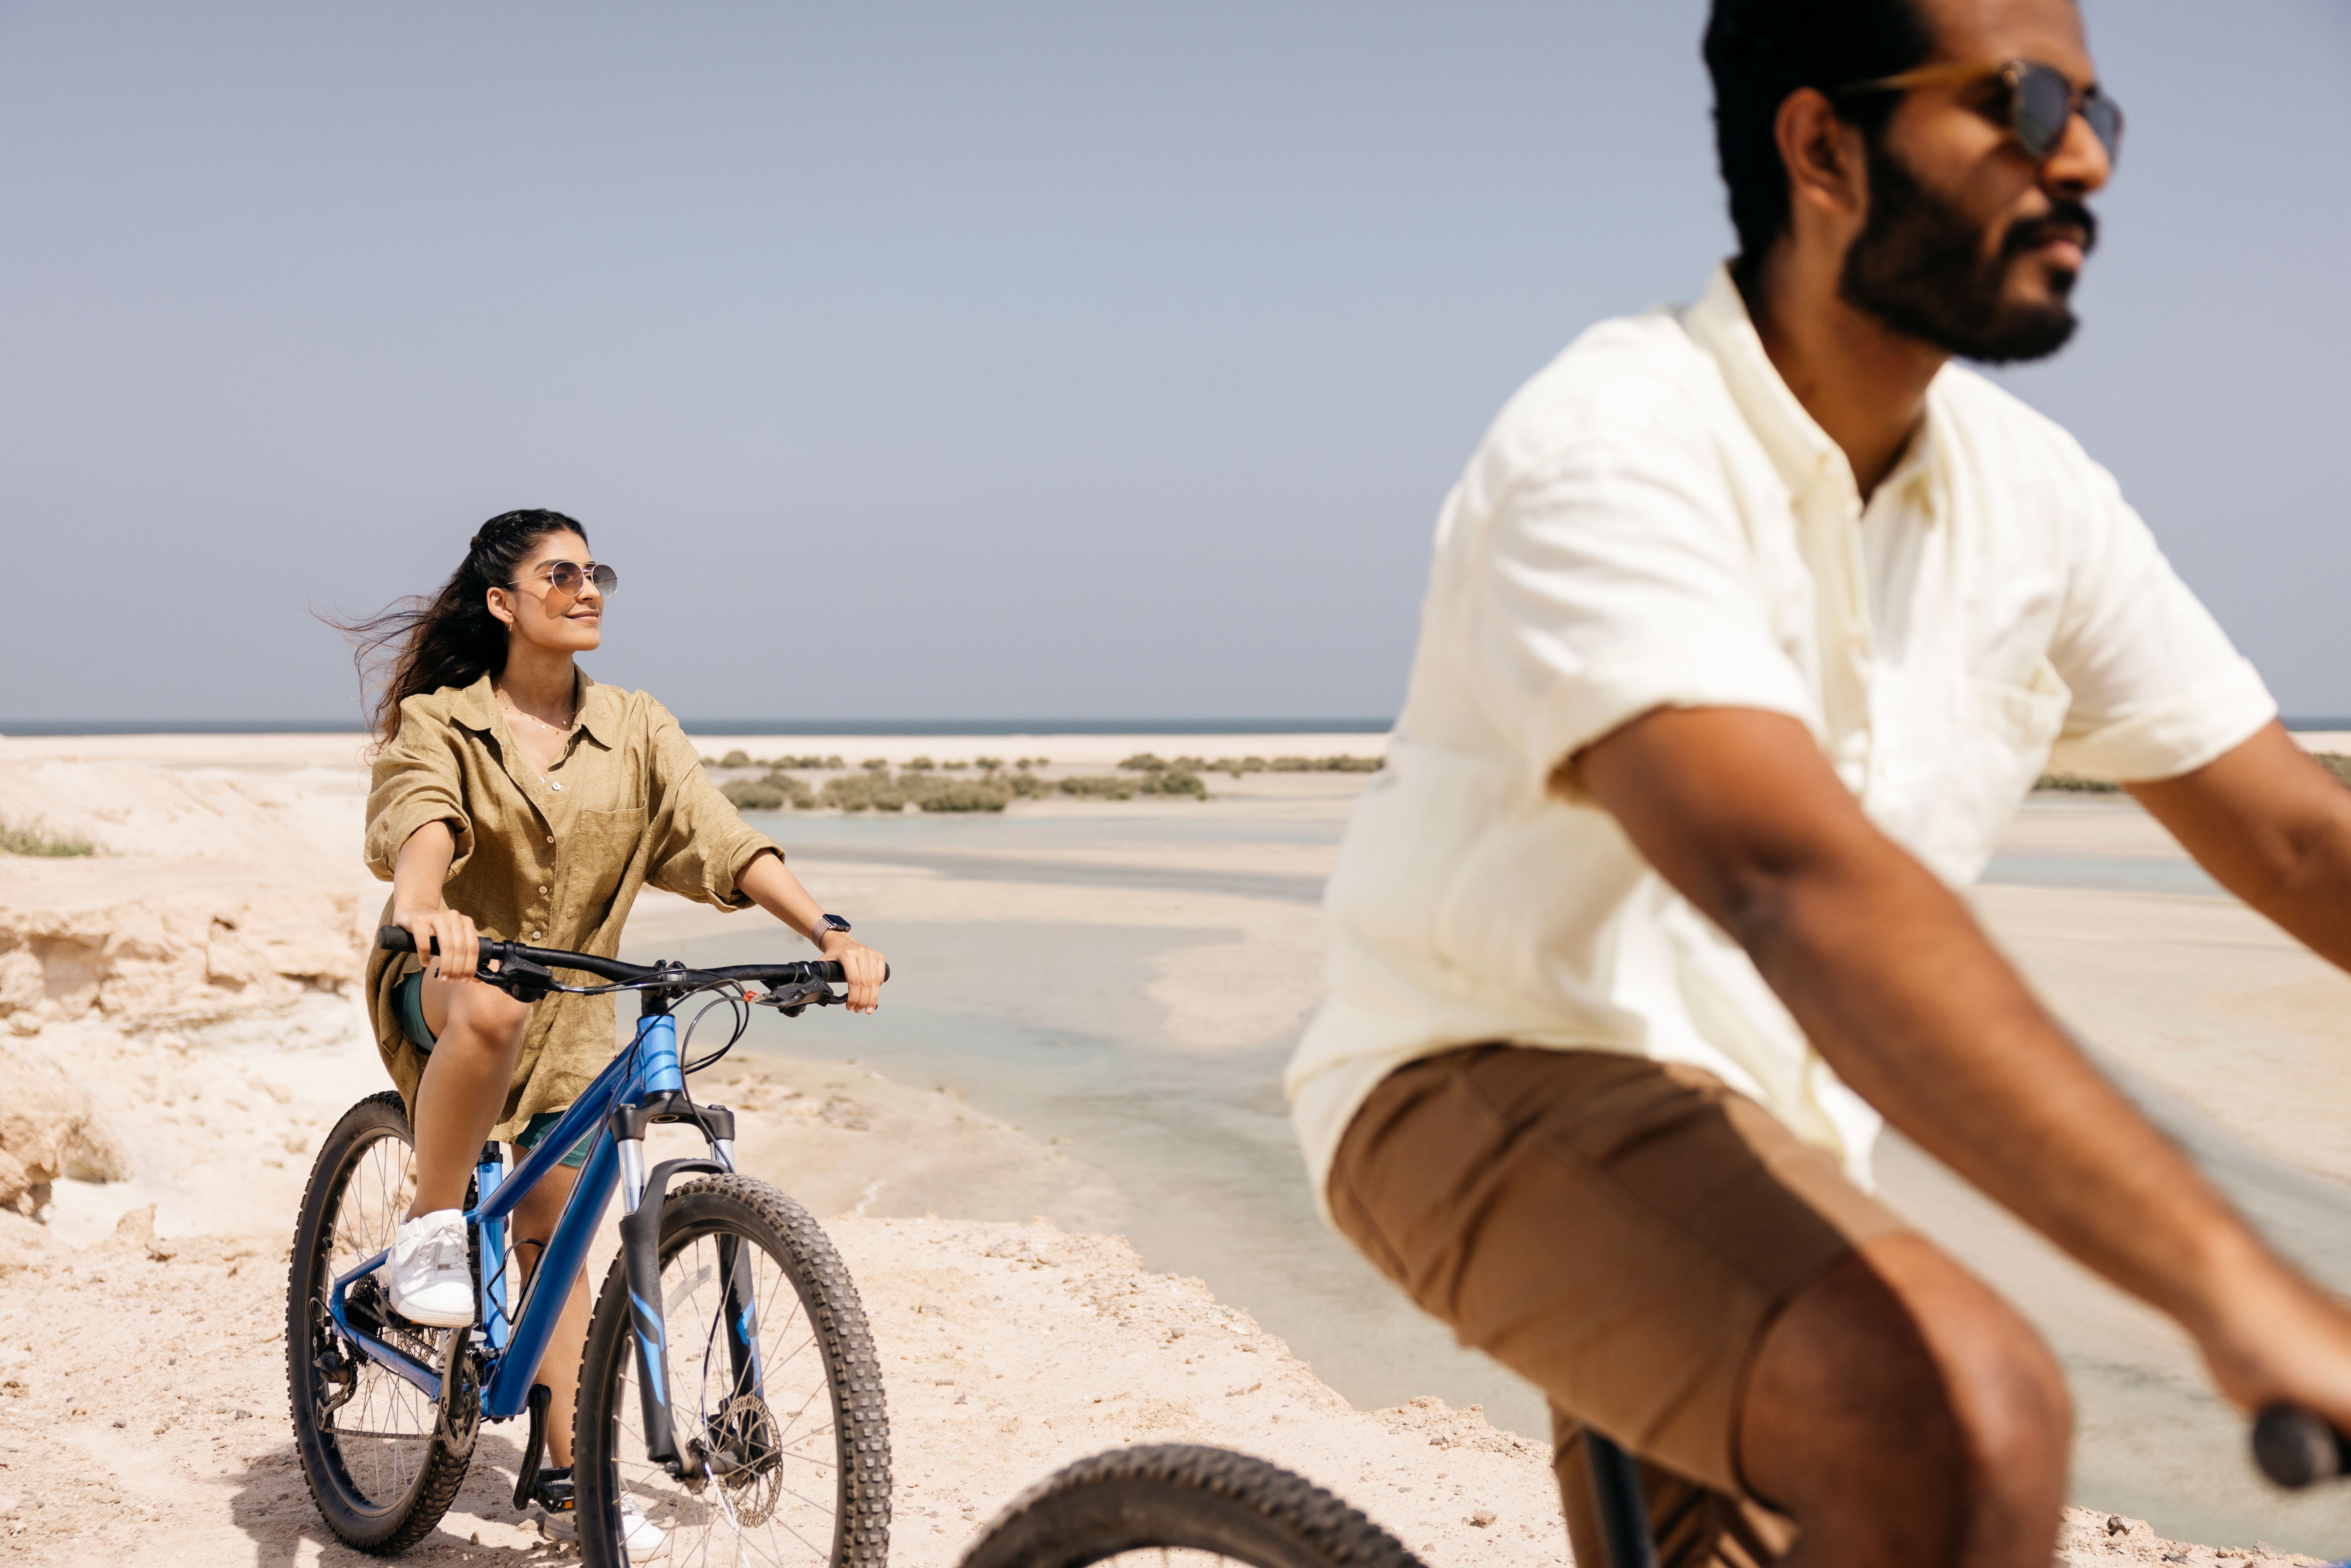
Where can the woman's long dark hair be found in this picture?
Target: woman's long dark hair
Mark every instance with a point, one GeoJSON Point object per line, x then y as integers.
{"type": "Point", "coordinates": [451, 639]}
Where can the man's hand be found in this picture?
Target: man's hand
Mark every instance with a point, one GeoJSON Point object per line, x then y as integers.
{"type": "Point", "coordinates": [1902, 994]}
{"type": "Point", "coordinates": [863, 967]}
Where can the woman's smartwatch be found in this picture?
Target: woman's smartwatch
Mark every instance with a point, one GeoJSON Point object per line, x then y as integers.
{"type": "Point", "coordinates": [826, 925]}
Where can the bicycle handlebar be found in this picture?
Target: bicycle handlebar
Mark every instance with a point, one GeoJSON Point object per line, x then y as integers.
{"type": "Point", "coordinates": [394, 940]}
{"type": "Point", "coordinates": [2295, 1447]}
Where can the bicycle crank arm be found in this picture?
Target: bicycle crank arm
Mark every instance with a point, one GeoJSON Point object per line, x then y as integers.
{"type": "Point", "coordinates": [533, 1446]}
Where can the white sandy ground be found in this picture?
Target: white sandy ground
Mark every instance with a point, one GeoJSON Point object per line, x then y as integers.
{"type": "Point", "coordinates": [196, 980]}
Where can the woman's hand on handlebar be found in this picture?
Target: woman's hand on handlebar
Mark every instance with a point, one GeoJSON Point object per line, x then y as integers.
{"type": "Point", "coordinates": [861, 966]}
{"type": "Point", "coordinates": [460, 943]}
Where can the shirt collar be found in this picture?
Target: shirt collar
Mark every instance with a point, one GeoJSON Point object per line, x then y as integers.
{"type": "Point", "coordinates": [1807, 459]}
{"type": "Point", "coordinates": [476, 706]}
{"type": "Point", "coordinates": [597, 706]}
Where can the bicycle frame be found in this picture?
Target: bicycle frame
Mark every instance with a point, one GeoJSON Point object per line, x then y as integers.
{"type": "Point", "coordinates": [641, 1084]}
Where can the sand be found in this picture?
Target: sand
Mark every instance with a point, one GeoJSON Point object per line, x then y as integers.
{"type": "Point", "coordinates": [198, 981]}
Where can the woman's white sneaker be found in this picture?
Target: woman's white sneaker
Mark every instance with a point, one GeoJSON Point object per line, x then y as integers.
{"type": "Point", "coordinates": [644, 1538]}
{"type": "Point", "coordinates": [427, 1275]}
{"type": "Point", "coordinates": [640, 1535]}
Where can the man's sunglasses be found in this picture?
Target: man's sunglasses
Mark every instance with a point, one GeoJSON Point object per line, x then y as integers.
{"type": "Point", "coordinates": [569, 578]}
{"type": "Point", "coordinates": [2040, 101]}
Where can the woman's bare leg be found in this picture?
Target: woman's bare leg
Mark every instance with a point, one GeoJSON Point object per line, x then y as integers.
{"type": "Point", "coordinates": [476, 1031]}
{"type": "Point", "coordinates": [534, 1221]}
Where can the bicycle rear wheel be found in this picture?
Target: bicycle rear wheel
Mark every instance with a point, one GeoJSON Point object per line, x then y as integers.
{"type": "Point", "coordinates": [1185, 1507]}
{"type": "Point", "coordinates": [791, 1413]}
{"type": "Point", "coordinates": [380, 1465]}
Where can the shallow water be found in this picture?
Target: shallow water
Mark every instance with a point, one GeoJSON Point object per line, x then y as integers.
{"type": "Point", "coordinates": [1049, 1027]}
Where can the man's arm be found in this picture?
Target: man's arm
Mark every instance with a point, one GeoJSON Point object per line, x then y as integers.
{"type": "Point", "coordinates": [2274, 828]}
{"type": "Point", "coordinates": [1904, 995]}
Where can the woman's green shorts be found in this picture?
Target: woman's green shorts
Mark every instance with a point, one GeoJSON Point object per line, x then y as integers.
{"type": "Point", "coordinates": [410, 999]}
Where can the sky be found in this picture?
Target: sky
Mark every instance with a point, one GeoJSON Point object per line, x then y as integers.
{"type": "Point", "coordinates": [1081, 360]}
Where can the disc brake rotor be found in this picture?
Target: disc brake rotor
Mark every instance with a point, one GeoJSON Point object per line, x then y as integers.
{"type": "Point", "coordinates": [744, 1449]}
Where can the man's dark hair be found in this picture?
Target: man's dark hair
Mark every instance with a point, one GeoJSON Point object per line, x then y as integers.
{"type": "Point", "coordinates": [1760, 51]}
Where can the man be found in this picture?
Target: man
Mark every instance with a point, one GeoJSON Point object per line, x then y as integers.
{"type": "Point", "coordinates": [1749, 626]}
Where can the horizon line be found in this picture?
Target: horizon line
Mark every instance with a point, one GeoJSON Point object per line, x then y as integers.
{"type": "Point", "coordinates": [876, 727]}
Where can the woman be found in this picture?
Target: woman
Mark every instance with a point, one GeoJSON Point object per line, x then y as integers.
{"type": "Point", "coordinates": [515, 798]}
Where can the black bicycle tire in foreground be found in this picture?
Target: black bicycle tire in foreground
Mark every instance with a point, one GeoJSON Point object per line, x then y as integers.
{"type": "Point", "coordinates": [1186, 1498]}
{"type": "Point", "coordinates": [746, 1213]}
{"type": "Point", "coordinates": [370, 1505]}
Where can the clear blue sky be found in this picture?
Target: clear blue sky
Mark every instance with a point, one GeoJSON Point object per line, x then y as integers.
{"type": "Point", "coordinates": [983, 361]}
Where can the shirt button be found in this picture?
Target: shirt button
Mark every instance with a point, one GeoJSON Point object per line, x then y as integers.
{"type": "Point", "coordinates": [550, 838]}
{"type": "Point", "coordinates": [539, 936]}
{"type": "Point", "coordinates": [543, 888]}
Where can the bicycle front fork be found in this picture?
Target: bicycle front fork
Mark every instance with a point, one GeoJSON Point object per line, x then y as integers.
{"type": "Point", "coordinates": [642, 1195]}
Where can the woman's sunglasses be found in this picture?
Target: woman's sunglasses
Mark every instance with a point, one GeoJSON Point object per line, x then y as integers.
{"type": "Point", "coordinates": [569, 578]}
{"type": "Point", "coordinates": [2040, 101]}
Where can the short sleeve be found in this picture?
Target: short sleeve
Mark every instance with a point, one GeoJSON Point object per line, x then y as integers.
{"type": "Point", "coordinates": [415, 779]}
{"type": "Point", "coordinates": [701, 845]}
{"type": "Point", "coordinates": [2158, 688]}
{"type": "Point", "coordinates": [1615, 578]}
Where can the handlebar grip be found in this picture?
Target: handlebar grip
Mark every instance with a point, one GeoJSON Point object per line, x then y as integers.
{"type": "Point", "coordinates": [828, 970]}
{"type": "Point", "coordinates": [2296, 1448]}
{"type": "Point", "coordinates": [394, 940]}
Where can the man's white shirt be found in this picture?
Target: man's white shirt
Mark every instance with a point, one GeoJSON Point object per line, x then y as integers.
{"type": "Point", "coordinates": [1655, 521]}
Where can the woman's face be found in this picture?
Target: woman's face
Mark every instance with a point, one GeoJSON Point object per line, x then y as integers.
{"type": "Point", "coordinates": [536, 612]}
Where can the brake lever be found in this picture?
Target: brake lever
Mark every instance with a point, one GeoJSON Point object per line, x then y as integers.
{"type": "Point", "coordinates": [793, 1000]}
{"type": "Point", "coordinates": [521, 979]}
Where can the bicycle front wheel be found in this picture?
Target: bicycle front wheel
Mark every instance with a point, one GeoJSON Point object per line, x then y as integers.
{"type": "Point", "coordinates": [1182, 1506]}
{"type": "Point", "coordinates": [772, 1375]}
{"type": "Point", "coordinates": [380, 1465]}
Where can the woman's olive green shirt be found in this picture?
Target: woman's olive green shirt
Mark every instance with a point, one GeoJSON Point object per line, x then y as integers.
{"type": "Point", "coordinates": [555, 862]}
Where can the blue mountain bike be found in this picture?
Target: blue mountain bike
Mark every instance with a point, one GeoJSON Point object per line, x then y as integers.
{"type": "Point", "coordinates": [730, 1405]}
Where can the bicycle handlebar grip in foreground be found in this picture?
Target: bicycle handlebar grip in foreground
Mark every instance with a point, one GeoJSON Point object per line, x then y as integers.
{"type": "Point", "coordinates": [2296, 1448]}
{"type": "Point", "coordinates": [394, 940]}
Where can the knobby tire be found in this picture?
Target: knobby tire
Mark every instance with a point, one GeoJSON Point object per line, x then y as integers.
{"type": "Point", "coordinates": [394, 1522]}
{"type": "Point", "coordinates": [1183, 1497]}
{"type": "Point", "coordinates": [759, 1216]}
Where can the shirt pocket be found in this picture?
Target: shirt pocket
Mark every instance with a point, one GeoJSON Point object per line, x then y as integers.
{"type": "Point", "coordinates": [1995, 751]}
{"type": "Point", "coordinates": [601, 846]}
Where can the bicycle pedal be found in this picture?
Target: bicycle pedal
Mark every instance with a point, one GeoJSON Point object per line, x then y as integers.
{"type": "Point", "coordinates": [553, 1490]}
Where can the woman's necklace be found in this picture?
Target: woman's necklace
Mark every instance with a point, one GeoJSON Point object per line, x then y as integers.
{"type": "Point", "coordinates": [564, 728]}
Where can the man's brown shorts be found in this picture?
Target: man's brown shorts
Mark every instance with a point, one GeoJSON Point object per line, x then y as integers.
{"type": "Point", "coordinates": [1621, 1232]}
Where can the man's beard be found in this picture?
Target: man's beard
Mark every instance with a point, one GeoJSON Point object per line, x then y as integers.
{"type": "Point", "coordinates": [1918, 267]}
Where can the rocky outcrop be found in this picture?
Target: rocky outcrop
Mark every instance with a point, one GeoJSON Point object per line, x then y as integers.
{"type": "Point", "coordinates": [209, 896]}
{"type": "Point", "coordinates": [86, 939]}
{"type": "Point", "coordinates": [49, 1129]}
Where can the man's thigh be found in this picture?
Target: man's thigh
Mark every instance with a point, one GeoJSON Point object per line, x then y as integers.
{"type": "Point", "coordinates": [1622, 1232]}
